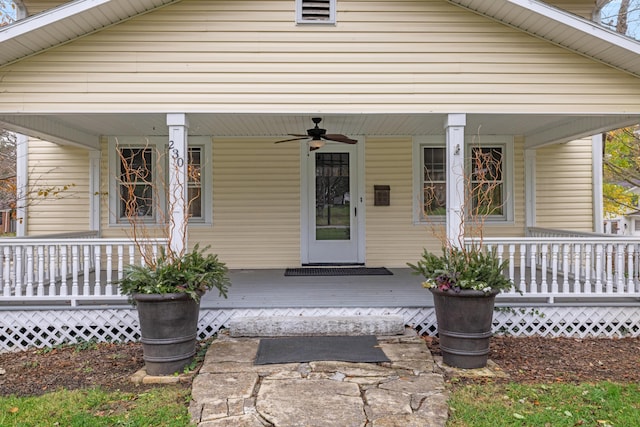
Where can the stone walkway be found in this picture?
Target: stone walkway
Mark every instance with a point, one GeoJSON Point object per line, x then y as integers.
{"type": "Point", "coordinates": [231, 391]}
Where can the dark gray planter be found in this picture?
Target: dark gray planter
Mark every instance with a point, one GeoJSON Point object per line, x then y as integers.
{"type": "Point", "coordinates": [464, 326]}
{"type": "Point", "coordinates": [169, 326]}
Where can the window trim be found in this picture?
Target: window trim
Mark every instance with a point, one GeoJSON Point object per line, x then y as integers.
{"type": "Point", "coordinates": [159, 144]}
{"type": "Point", "coordinates": [330, 21]}
{"type": "Point", "coordinates": [503, 141]}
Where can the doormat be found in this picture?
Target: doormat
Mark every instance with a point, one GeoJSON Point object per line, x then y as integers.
{"type": "Point", "coordinates": [338, 271]}
{"type": "Point", "coordinates": [362, 349]}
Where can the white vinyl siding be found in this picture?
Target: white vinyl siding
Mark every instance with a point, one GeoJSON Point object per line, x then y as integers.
{"type": "Point", "coordinates": [51, 168]}
{"type": "Point", "coordinates": [386, 57]}
{"type": "Point", "coordinates": [564, 186]}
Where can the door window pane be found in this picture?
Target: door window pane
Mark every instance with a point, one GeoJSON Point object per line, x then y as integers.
{"type": "Point", "coordinates": [333, 199]}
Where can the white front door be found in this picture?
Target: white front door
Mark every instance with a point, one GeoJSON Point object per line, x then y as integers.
{"type": "Point", "coordinates": [332, 200]}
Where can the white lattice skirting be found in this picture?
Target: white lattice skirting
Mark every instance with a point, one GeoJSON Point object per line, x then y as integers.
{"type": "Point", "coordinates": [22, 329]}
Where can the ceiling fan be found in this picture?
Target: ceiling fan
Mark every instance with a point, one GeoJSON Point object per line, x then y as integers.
{"type": "Point", "coordinates": [318, 136]}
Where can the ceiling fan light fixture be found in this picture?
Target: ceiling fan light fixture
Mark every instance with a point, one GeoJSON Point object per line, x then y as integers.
{"type": "Point", "coordinates": [316, 143]}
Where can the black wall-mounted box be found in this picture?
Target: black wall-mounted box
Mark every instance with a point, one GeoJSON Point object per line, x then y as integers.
{"type": "Point", "coordinates": [381, 195]}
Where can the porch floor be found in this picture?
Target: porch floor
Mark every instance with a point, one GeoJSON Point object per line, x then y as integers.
{"type": "Point", "coordinates": [271, 288]}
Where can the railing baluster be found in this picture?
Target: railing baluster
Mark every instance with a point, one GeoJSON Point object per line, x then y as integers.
{"type": "Point", "coordinates": [64, 290]}
{"type": "Point", "coordinates": [53, 270]}
{"type": "Point", "coordinates": [40, 252]}
{"type": "Point", "coordinates": [97, 290]}
{"type": "Point", "coordinates": [18, 267]}
{"type": "Point", "coordinates": [512, 257]}
{"type": "Point", "coordinates": [74, 270]}
{"type": "Point", "coordinates": [609, 268]}
{"type": "Point", "coordinates": [108, 290]}
{"type": "Point", "coordinates": [523, 268]}
{"type": "Point", "coordinates": [554, 268]}
{"type": "Point", "coordinates": [598, 262]}
{"type": "Point", "coordinates": [544, 286]}
{"type": "Point", "coordinates": [630, 272]}
{"type": "Point", "coordinates": [533, 285]}
{"type": "Point", "coordinates": [565, 268]}
{"type": "Point", "coordinates": [120, 261]}
{"type": "Point", "coordinates": [576, 269]}
{"type": "Point", "coordinates": [7, 271]}
{"type": "Point", "coordinates": [587, 269]}
{"type": "Point", "coordinates": [620, 269]}
{"type": "Point", "coordinates": [29, 287]}
{"type": "Point", "coordinates": [85, 269]}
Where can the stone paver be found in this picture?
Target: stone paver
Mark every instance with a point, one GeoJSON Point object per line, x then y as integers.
{"type": "Point", "coordinates": [408, 391]}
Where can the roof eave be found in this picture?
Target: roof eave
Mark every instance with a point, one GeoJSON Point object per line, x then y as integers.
{"type": "Point", "coordinates": [67, 22]}
{"type": "Point", "coordinates": [544, 21]}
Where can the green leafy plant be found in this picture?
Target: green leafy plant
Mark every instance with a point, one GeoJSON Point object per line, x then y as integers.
{"type": "Point", "coordinates": [458, 268]}
{"type": "Point", "coordinates": [193, 273]}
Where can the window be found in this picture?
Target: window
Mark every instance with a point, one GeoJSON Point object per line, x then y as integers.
{"type": "Point", "coordinates": [488, 168]}
{"type": "Point", "coordinates": [316, 11]}
{"type": "Point", "coordinates": [142, 169]}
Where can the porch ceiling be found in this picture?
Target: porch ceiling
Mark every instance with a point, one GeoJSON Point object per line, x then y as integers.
{"type": "Point", "coordinates": [85, 129]}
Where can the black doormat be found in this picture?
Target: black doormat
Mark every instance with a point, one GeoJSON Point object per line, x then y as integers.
{"type": "Point", "coordinates": [362, 349]}
{"type": "Point", "coordinates": [338, 271]}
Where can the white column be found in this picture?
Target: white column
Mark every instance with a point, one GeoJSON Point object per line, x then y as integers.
{"type": "Point", "coordinates": [94, 190]}
{"type": "Point", "coordinates": [530, 187]}
{"type": "Point", "coordinates": [178, 160]}
{"type": "Point", "coordinates": [22, 184]}
{"type": "Point", "coordinates": [454, 131]}
{"type": "Point", "coordinates": [598, 207]}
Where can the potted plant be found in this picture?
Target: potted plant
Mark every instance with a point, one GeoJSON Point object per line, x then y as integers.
{"type": "Point", "coordinates": [167, 295]}
{"type": "Point", "coordinates": [165, 287]}
{"type": "Point", "coordinates": [464, 283]}
{"type": "Point", "coordinates": [466, 278]}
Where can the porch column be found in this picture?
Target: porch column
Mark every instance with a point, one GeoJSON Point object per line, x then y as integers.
{"type": "Point", "coordinates": [178, 126]}
{"type": "Point", "coordinates": [454, 131]}
{"type": "Point", "coordinates": [530, 188]}
{"type": "Point", "coordinates": [597, 148]}
{"type": "Point", "coordinates": [22, 183]}
{"type": "Point", "coordinates": [94, 190]}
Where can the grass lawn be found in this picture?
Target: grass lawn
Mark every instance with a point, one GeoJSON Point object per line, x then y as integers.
{"type": "Point", "coordinates": [602, 404]}
{"type": "Point", "coordinates": [161, 406]}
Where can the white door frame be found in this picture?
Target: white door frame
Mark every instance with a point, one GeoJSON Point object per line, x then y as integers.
{"type": "Point", "coordinates": [358, 201]}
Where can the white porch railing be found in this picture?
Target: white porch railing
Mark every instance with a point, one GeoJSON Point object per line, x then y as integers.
{"type": "Point", "coordinates": [575, 268]}
{"type": "Point", "coordinates": [67, 270]}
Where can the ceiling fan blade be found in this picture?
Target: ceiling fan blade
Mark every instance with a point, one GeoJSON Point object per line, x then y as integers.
{"type": "Point", "coordinates": [299, 138]}
{"type": "Point", "coordinates": [340, 138]}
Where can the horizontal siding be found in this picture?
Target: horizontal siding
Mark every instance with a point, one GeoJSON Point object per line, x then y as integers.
{"type": "Point", "coordinates": [256, 204]}
{"type": "Point", "coordinates": [54, 166]}
{"type": "Point", "coordinates": [564, 186]}
{"type": "Point", "coordinates": [417, 56]}
{"type": "Point", "coordinates": [392, 237]}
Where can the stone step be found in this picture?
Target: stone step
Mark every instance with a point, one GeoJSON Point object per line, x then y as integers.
{"type": "Point", "coordinates": [282, 326]}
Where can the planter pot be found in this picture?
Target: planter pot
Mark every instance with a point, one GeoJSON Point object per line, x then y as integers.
{"type": "Point", "coordinates": [464, 326]}
{"type": "Point", "coordinates": [169, 326]}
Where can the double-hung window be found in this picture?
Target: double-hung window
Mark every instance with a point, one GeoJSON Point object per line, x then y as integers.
{"type": "Point", "coordinates": [488, 180]}
{"type": "Point", "coordinates": [141, 186]}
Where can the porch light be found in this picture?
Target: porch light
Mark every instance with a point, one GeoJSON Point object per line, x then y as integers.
{"type": "Point", "coordinates": [316, 143]}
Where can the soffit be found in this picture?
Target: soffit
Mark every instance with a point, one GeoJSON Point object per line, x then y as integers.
{"type": "Point", "coordinates": [563, 29]}
{"type": "Point", "coordinates": [86, 129]}
{"type": "Point", "coordinates": [67, 22]}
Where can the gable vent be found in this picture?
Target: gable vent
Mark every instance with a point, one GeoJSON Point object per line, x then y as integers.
{"type": "Point", "coordinates": [316, 11]}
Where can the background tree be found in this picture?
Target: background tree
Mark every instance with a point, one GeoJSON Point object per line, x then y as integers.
{"type": "Point", "coordinates": [622, 16]}
{"type": "Point", "coordinates": [621, 171]}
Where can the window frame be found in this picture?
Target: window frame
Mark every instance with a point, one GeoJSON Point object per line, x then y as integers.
{"type": "Point", "coordinates": [330, 21]}
{"type": "Point", "coordinates": [504, 142]}
{"type": "Point", "coordinates": [159, 145]}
